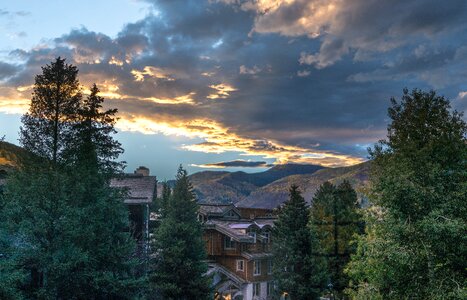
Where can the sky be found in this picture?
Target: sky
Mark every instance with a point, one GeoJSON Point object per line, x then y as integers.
{"type": "Point", "coordinates": [238, 84]}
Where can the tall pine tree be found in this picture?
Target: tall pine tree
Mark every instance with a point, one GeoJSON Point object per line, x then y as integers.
{"type": "Point", "coordinates": [296, 270]}
{"type": "Point", "coordinates": [64, 223]}
{"type": "Point", "coordinates": [47, 126]}
{"type": "Point", "coordinates": [336, 220]}
{"type": "Point", "coordinates": [108, 271]}
{"type": "Point", "coordinates": [94, 130]}
{"type": "Point", "coordinates": [179, 249]}
{"type": "Point", "coordinates": [416, 246]}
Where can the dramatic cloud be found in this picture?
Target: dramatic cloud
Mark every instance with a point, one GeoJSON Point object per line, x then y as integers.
{"type": "Point", "coordinates": [304, 81]}
{"type": "Point", "coordinates": [219, 139]}
{"type": "Point", "coordinates": [222, 91]}
{"type": "Point", "coordinates": [360, 28]}
{"type": "Point", "coordinates": [235, 164]}
{"type": "Point", "coordinates": [7, 70]}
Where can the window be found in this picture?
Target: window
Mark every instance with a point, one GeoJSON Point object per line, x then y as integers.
{"type": "Point", "coordinates": [267, 237]}
{"type": "Point", "coordinates": [257, 267]}
{"type": "Point", "coordinates": [240, 265]}
{"type": "Point", "coordinates": [253, 235]}
{"type": "Point", "coordinates": [270, 288]}
{"type": "Point", "coordinates": [229, 243]}
{"type": "Point", "coordinates": [256, 289]}
{"type": "Point", "coordinates": [201, 218]}
{"type": "Point", "coordinates": [231, 213]}
{"type": "Point", "coordinates": [270, 266]}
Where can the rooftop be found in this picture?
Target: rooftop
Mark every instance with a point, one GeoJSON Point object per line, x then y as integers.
{"type": "Point", "coordinates": [237, 230]}
{"type": "Point", "coordinates": [141, 187]}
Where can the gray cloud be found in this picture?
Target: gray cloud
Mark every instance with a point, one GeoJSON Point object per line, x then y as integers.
{"type": "Point", "coordinates": [20, 13]}
{"type": "Point", "coordinates": [323, 85]}
{"type": "Point", "coordinates": [237, 164]}
{"type": "Point", "coordinates": [7, 70]}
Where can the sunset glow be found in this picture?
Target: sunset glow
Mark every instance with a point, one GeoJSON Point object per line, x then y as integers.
{"type": "Point", "coordinates": [274, 80]}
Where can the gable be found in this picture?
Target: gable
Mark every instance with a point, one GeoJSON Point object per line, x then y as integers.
{"type": "Point", "coordinates": [231, 214]}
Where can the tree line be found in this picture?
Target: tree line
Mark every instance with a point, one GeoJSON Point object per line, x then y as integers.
{"type": "Point", "coordinates": [64, 230]}
{"type": "Point", "coordinates": [413, 244]}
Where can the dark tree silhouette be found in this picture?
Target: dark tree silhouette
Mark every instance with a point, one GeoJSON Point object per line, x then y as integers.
{"type": "Point", "coordinates": [47, 126]}
{"type": "Point", "coordinates": [296, 271]}
{"type": "Point", "coordinates": [179, 253]}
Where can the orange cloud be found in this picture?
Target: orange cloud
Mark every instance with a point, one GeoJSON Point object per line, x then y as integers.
{"type": "Point", "coordinates": [222, 91]}
{"type": "Point", "coordinates": [14, 101]}
{"type": "Point", "coordinates": [184, 99]}
{"type": "Point", "coordinates": [154, 72]}
{"type": "Point", "coordinates": [219, 139]}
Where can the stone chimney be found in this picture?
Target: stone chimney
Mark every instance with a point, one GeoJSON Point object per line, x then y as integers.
{"type": "Point", "coordinates": [143, 171]}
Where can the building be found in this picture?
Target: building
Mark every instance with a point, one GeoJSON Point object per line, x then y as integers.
{"type": "Point", "coordinates": [142, 189]}
{"type": "Point", "coordinates": [238, 244]}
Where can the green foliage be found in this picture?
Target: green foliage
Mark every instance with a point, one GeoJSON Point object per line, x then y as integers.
{"type": "Point", "coordinates": [297, 271]}
{"type": "Point", "coordinates": [65, 227]}
{"type": "Point", "coordinates": [10, 276]}
{"type": "Point", "coordinates": [163, 202]}
{"type": "Point", "coordinates": [276, 193]}
{"type": "Point", "coordinates": [178, 248]}
{"type": "Point", "coordinates": [48, 125]}
{"type": "Point", "coordinates": [416, 246]}
{"type": "Point", "coordinates": [94, 129]}
{"type": "Point", "coordinates": [336, 220]}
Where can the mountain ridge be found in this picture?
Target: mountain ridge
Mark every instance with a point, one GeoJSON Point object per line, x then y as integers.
{"type": "Point", "coordinates": [276, 193]}
{"type": "Point", "coordinates": [266, 189]}
{"type": "Point", "coordinates": [224, 187]}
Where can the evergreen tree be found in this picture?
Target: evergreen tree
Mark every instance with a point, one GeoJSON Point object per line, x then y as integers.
{"type": "Point", "coordinates": [11, 277]}
{"type": "Point", "coordinates": [162, 203]}
{"type": "Point", "coordinates": [416, 246]}
{"type": "Point", "coordinates": [94, 142]}
{"type": "Point", "coordinates": [296, 270]}
{"type": "Point", "coordinates": [47, 126]}
{"type": "Point", "coordinates": [179, 249]}
{"type": "Point", "coordinates": [36, 219]}
{"type": "Point", "coordinates": [64, 224]}
{"type": "Point", "coordinates": [335, 219]}
{"type": "Point", "coordinates": [108, 269]}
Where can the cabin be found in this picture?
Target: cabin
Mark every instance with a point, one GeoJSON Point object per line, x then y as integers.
{"type": "Point", "coordinates": [238, 245]}
{"type": "Point", "coordinates": [142, 189]}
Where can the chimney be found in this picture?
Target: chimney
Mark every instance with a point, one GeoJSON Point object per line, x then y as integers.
{"type": "Point", "coordinates": [143, 171]}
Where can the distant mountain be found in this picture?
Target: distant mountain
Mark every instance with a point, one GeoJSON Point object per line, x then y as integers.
{"type": "Point", "coordinates": [276, 193]}
{"type": "Point", "coordinates": [267, 189]}
{"type": "Point", "coordinates": [222, 187]}
{"type": "Point", "coordinates": [11, 156]}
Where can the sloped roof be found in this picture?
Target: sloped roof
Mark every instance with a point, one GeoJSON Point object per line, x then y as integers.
{"type": "Point", "coordinates": [224, 227]}
{"type": "Point", "coordinates": [237, 229]}
{"type": "Point", "coordinates": [214, 267]}
{"type": "Point", "coordinates": [261, 255]}
{"type": "Point", "coordinates": [217, 209]}
{"type": "Point", "coordinates": [141, 189]}
{"type": "Point", "coordinates": [264, 222]}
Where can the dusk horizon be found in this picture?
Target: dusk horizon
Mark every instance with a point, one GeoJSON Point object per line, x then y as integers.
{"type": "Point", "coordinates": [233, 150]}
{"type": "Point", "coordinates": [204, 83]}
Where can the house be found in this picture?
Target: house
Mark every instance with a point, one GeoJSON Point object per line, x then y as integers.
{"type": "Point", "coordinates": [238, 245]}
{"type": "Point", "coordinates": [142, 189]}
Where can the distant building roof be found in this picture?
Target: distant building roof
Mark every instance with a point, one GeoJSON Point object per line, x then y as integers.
{"type": "Point", "coordinates": [224, 227]}
{"type": "Point", "coordinates": [252, 256]}
{"type": "Point", "coordinates": [237, 230]}
{"type": "Point", "coordinates": [141, 189]}
{"type": "Point", "coordinates": [217, 209]}
{"type": "Point", "coordinates": [214, 267]}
